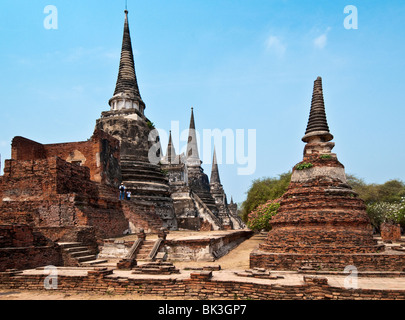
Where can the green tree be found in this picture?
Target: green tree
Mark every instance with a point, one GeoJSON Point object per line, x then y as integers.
{"type": "Point", "coordinates": [385, 202]}
{"type": "Point", "coordinates": [263, 190]}
{"type": "Point", "coordinates": [390, 191]}
{"type": "Point", "coordinates": [260, 218]}
{"type": "Point", "coordinates": [393, 213]}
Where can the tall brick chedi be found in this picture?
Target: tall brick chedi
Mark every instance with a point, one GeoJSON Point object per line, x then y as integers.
{"type": "Point", "coordinates": [321, 220]}
{"type": "Point", "coordinates": [320, 212]}
{"type": "Point", "coordinates": [139, 141]}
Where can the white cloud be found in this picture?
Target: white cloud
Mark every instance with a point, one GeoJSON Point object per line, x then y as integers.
{"type": "Point", "coordinates": [321, 41]}
{"type": "Point", "coordinates": [275, 45]}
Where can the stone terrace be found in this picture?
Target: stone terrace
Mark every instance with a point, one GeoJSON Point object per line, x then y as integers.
{"type": "Point", "coordinates": [195, 282]}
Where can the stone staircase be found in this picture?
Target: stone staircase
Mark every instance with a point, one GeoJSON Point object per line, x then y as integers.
{"type": "Point", "coordinates": [262, 235]}
{"type": "Point", "coordinates": [140, 212]}
{"type": "Point", "coordinates": [156, 267]}
{"type": "Point", "coordinates": [77, 254]}
{"type": "Point", "coordinates": [149, 221]}
{"type": "Point", "coordinates": [144, 250]}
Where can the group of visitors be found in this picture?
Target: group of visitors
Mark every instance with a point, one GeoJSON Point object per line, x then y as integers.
{"type": "Point", "coordinates": [124, 194]}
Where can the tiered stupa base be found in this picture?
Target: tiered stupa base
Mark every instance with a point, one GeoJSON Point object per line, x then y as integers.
{"type": "Point", "coordinates": [327, 262]}
{"type": "Point", "coordinates": [146, 181]}
{"type": "Point", "coordinates": [323, 225]}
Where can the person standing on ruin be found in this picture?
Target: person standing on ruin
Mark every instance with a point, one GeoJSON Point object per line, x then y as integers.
{"type": "Point", "coordinates": [128, 195]}
{"type": "Point", "coordinates": [122, 191]}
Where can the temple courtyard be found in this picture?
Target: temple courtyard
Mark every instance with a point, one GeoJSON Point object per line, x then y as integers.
{"type": "Point", "coordinates": [113, 217]}
{"type": "Point", "coordinates": [228, 278]}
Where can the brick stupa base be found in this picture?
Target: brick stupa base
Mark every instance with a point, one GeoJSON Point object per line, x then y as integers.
{"type": "Point", "coordinates": [321, 222]}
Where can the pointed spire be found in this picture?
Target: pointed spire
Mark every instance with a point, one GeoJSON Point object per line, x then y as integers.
{"type": "Point", "coordinates": [317, 123]}
{"type": "Point", "coordinates": [192, 155]}
{"type": "Point", "coordinates": [127, 84]}
{"type": "Point", "coordinates": [170, 153]}
{"type": "Point", "coordinates": [192, 124]}
{"type": "Point", "coordinates": [214, 171]}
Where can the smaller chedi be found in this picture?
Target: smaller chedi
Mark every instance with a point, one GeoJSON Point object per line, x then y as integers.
{"type": "Point", "coordinates": [321, 222]}
{"type": "Point", "coordinates": [200, 203]}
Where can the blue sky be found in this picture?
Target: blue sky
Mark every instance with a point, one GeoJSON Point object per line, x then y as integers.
{"type": "Point", "coordinates": [241, 64]}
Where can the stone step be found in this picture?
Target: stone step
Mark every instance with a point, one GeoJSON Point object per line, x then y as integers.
{"type": "Point", "coordinates": [132, 162]}
{"type": "Point", "coordinates": [66, 245]}
{"type": "Point", "coordinates": [143, 253]}
{"type": "Point", "coordinates": [146, 187]}
{"type": "Point", "coordinates": [148, 243]}
{"type": "Point", "coordinates": [142, 197]}
{"type": "Point", "coordinates": [79, 254]}
{"type": "Point", "coordinates": [142, 258]}
{"type": "Point", "coordinates": [86, 258]}
{"type": "Point", "coordinates": [147, 246]}
{"type": "Point", "coordinates": [145, 176]}
{"type": "Point", "coordinates": [93, 262]}
{"type": "Point", "coordinates": [75, 249]}
{"type": "Point", "coordinates": [146, 172]}
{"type": "Point", "coordinates": [145, 249]}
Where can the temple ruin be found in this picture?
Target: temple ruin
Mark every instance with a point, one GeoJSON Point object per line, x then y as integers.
{"type": "Point", "coordinates": [321, 222]}
{"type": "Point", "coordinates": [60, 208]}
{"type": "Point", "coordinates": [68, 192]}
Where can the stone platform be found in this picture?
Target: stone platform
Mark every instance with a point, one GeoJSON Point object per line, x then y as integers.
{"type": "Point", "coordinates": [222, 284]}
{"type": "Point", "coordinates": [224, 279]}
{"type": "Point", "coordinates": [183, 245]}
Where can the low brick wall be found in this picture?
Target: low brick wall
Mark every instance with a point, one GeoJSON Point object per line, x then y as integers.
{"type": "Point", "coordinates": [204, 249]}
{"type": "Point", "coordinates": [22, 248]}
{"type": "Point", "coordinates": [363, 262]}
{"type": "Point", "coordinates": [196, 287]}
{"type": "Point", "coordinates": [29, 257]}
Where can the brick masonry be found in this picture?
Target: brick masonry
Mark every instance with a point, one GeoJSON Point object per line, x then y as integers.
{"type": "Point", "coordinates": [67, 192]}
{"type": "Point", "coordinates": [22, 248]}
{"type": "Point", "coordinates": [202, 249]}
{"type": "Point", "coordinates": [294, 261]}
{"type": "Point", "coordinates": [322, 222]}
{"type": "Point", "coordinates": [205, 248]}
{"type": "Point", "coordinates": [100, 154]}
{"type": "Point", "coordinates": [390, 232]}
{"type": "Point", "coordinates": [200, 285]}
{"type": "Point", "coordinates": [54, 193]}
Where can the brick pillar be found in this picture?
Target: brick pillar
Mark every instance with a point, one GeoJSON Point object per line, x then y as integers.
{"type": "Point", "coordinates": [390, 232]}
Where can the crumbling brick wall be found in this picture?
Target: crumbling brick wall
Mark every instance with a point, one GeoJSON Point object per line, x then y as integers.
{"type": "Point", "coordinates": [23, 248]}
{"type": "Point", "coordinates": [41, 179]}
{"type": "Point", "coordinates": [390, 232]}
{"type": "Point", "coordinates": [101, 154]}
{"type": "Point", "coordinates": [25, 149]}
{"type": "Point", "coordinates": [54, 193]}
{"type": "Point", "coordinates": [200, 285]}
